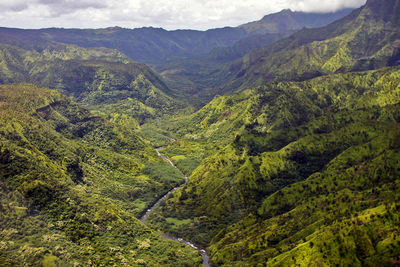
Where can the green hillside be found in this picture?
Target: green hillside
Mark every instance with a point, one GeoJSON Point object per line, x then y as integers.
{"type": "Point", "coordinates": [299, 150]}
{"type": "Point", "coordinates": [101, 79]}
{"type": "Point", "coordinates": [71, 184]}
{"type": "Point", "coordinates": [366, 39]}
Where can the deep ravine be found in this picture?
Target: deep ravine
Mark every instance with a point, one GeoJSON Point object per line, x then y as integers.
{"type": "Point", "coordinates": [203, 252]}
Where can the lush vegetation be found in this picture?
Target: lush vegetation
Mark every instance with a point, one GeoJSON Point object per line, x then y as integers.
{"type": "Point", "coordinates": [101, 79]}
{"type": "Point", "coordinates": [323, 150]}
{"type": "Point", "coordinates": [203, 76]}
{"type": "Point", "coordinates": [366, 39]}
{"type": "Point", "coordinates": [298, 165]}
{"type": "Point", "coordinates": [71, 184]}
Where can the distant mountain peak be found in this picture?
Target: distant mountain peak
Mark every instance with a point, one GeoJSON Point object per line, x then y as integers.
{"type": "Point", "coordinates": [287, 20]}
{"type": "Point", "coordinates": [285, 11]}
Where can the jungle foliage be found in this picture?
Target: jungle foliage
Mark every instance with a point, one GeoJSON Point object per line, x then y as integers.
{"type": "Point", "coordinates": [72, 184]}
{"type": "Point", "coordinates": [303, 161]}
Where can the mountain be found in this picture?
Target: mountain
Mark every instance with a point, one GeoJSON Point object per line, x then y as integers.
{"type": "Point", "coordinates": [274, 27]}
{"type": "Point", "coordinates": [289, 21]}
{"type": "Point", "coordinates": [100, 78]}
{"type": "Point", "coordinates": [156, 45]}
{"type": "Point", "coordinates": [72, 182]}
{"type": "Point", "coordinates": [366, 39]}
{"type": "Point", "coordinates": [199, 76]}
{"type": "Point", "coordinates": [146, 45]}
{"type": "Point", "coordinates": [245, 45]}
{"type": "Point", "coordinates": [168, 51]}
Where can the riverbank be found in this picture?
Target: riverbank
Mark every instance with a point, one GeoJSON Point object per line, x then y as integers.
{"type": "Point", "coordinates": [203, 252]}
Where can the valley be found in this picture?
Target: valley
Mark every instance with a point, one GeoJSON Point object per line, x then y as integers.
{"type": "Point", "coordinates": [159, 201]}
{"type": "Point", "coordinates": [273, 143]}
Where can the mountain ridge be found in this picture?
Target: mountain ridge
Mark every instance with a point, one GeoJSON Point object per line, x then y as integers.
{"type": "Point", "coordinates": [290, 21]}
{"type": "Point", "coordinates": [147, 45]}
{"type": "Point", "coordinates": [96, 77]}
{"type": "Point", "coordinates": [314, 52]}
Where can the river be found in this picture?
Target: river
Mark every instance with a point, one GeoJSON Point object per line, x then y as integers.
{"type": "Point", "coordinates": [206, 259]}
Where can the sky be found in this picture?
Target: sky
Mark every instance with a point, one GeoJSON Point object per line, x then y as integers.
{"type": "Point", "coordinates": [167, 14]}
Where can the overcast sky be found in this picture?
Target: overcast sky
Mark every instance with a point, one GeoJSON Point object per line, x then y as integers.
{"type": "Point", "coordinates": [168, 14]}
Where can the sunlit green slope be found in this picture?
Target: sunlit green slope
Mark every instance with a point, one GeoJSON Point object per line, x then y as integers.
{"type": "Point", "coordinates": [72, 185]}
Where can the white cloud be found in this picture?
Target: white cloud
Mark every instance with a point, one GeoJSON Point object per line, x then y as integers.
{"type": "Point", "coordinates": [16, 5]}
{"type": "Point", "coordinates": [322, 5]}
{"type": "Point", "coordinates": [169, 14]}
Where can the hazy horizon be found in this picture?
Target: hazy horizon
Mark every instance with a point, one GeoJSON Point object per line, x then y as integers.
{"type": "Point", "coordinates": [169, 14]}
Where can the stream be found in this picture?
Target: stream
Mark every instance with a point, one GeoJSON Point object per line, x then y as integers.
{"type": "Point", "coordinates": [206, 259]}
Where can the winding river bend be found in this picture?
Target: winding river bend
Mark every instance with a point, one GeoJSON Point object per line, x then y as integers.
{"type": "Point", "coordinates": [206, 259]}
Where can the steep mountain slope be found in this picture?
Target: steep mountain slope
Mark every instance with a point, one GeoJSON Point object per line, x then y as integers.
{"type": "Point", "coordinates": [274, 27]}
{"type": "Point", "coordinates": [100, 78]}
{"type": "Point", "coordinates": [289, 21]}
{"type": "Point", "coordinates": [200, 76]}
{"type": "Point", "coordinates": [302, 150]}
{"type": "Point", "coordinates": [71, 183]}
{"type": "Point", "coordinates": [245, 45]}
{"type": "Point", "coordinates": [368, 38]}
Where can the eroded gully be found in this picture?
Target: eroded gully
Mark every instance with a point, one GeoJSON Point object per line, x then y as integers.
{"type": "Point", "coordinates": [144, 217]}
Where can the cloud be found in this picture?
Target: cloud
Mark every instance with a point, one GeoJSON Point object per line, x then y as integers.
{"type": "Point", "coordinates": [16, 5]}
{"type": "Point", "coordinates": [323, 5]}
{"type": "Point", "coordinates": [169, 14]}
{"type": "Point", "coordinates": [58, 8]}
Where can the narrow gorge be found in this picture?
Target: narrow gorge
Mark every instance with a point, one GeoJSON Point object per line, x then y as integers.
{"type": "Point", "coordinates": [158, 202]}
